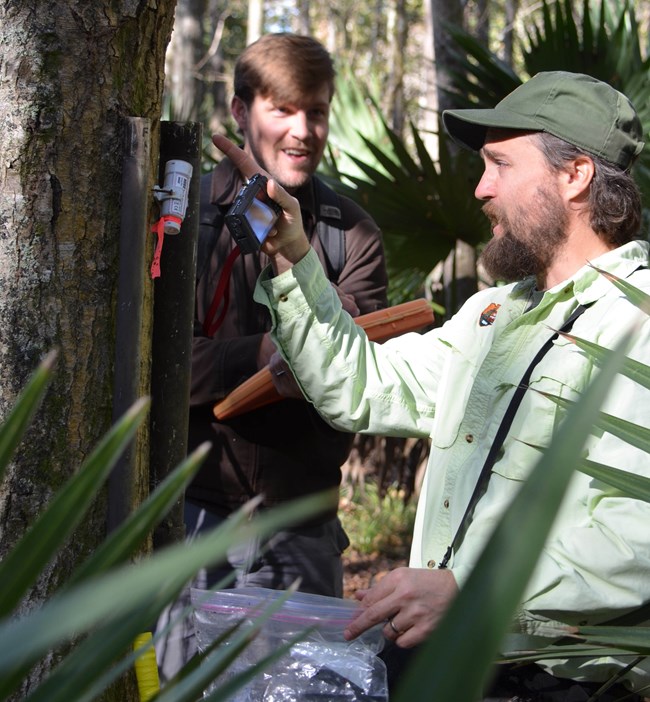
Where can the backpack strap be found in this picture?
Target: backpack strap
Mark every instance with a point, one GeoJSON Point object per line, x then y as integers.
{"type": "Point", "coordinates": [328, 227]}
{"type": "Point", "coordinates": [211, 220]}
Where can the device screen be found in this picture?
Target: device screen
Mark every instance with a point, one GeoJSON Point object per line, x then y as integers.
{"type": "Point", "coordinates": [261, 218]}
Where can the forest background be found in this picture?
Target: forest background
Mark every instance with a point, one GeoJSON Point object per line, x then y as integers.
{"type": "Point", "coordinates": [71, 72]}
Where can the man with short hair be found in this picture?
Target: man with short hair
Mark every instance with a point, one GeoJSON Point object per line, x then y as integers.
{"type": "Point", "coordinates": [559, 195]}
{"type": "Point", "coordinates": [283, 87]}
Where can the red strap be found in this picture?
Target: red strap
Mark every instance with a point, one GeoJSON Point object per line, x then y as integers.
{"type": "Point", "coordinates": [222, 292]}
{"type": "Point", "coordinates": [159, 229]}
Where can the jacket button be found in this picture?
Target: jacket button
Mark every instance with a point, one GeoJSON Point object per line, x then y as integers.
{"type": "Point", "coordinates": [446, 504]}
{"type": "Point", "coordinates": [283, 298]}
{"type": "Point", "coordinates": [469, 438]}
{"type": "Point", "coordinates": [431, 564]}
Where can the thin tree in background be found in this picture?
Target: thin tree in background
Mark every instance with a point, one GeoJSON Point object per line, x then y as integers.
{"type": "Point", "coordinates": [457, 274]}
{"type": "Point", "coordinates": [303, 22]}
{"type": "Point", "coordinates": [255, 20]}
{"type": "Point", "coordinates": [184, 85]}
{"type": "Point", "coordinates": [443, 12]}
{"type": "Point", "coordinates": [398, 32]}
{"type": "Point", "coordinates": [215, 111]}
{"type": "Point", "coordinates": [482, 20]}
{"type": "Point", "coordinates": [507, 54]}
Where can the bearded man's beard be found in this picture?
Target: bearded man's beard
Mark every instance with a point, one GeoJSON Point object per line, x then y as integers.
{"type": "Point", "coordinates": [530, 240]}
{"type": "Point", "coordinates": [509, 259]}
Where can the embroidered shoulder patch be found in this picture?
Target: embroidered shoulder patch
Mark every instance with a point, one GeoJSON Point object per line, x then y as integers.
{"type": "Point", "coordinates": [488, 315]}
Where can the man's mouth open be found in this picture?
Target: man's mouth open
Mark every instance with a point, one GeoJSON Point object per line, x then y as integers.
{"type": "Point", "coordinates": [296, 154]}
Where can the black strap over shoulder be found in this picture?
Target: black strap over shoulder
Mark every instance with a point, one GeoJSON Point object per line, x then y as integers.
{"type": "Point", "coordinates": [211, 219]}
{"type": "Point", "coordinates": [328, 228]}
{"type": "Point", "coordinates": [502, 433]}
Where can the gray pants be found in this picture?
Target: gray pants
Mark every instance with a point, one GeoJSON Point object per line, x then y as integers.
{"type": "Point", "coordinates": [310, 553]}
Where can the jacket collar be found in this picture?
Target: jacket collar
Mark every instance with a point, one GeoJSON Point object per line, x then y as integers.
{"type": "Point", "coordinates": [587, 284]}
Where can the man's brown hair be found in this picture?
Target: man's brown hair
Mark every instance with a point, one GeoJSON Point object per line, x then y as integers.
{"type": "Point", "coordinates": [284, 66]}
{"type": "Point", "coordinates": [614, 199]}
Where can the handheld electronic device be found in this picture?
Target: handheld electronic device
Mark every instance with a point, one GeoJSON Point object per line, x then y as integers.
{"type": "Point", "coordinates": [252, 215]}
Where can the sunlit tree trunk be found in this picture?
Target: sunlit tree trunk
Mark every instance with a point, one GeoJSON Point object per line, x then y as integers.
{"type": "Point", "coordinates": [72, 70]}
{"type": "Point", "coordinates": [255, 20]}
{"type": "Point", "coordinates": [459, 270]}
{"type": "Point", "coordinates": [184, 86]}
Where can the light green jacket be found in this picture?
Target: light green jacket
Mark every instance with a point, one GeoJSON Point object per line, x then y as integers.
{"type": "Point", "coordinates": [453, 385]}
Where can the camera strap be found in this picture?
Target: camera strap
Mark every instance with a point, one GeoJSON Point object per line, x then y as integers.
{"type": "Point", "coordinates": [222, 293]}
{"type": "Point", "coordinates": [502, 433]}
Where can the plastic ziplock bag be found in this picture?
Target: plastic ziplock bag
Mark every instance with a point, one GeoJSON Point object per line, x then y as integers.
{"type": "Point", "coordinates": [323, 667]}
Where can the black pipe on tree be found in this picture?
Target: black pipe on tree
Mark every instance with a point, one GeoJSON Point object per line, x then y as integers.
{"type": "Point", "coordinates": [173, 321]}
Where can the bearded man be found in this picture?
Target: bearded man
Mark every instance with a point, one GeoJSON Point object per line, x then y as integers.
{"type": "Point", "coordinates": [559, 195]}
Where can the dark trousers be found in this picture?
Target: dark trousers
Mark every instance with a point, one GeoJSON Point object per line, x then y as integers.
{"type": "Point", "coordinates": [311, 553]}
{"type": "Point", "coordinates": [515, 683]}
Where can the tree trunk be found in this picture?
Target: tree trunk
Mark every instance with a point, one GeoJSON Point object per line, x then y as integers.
{"type": "Point", "coordinates": [72, 70]}
{"type": "Point", "coordinates": [482, 14]}
{"type": "Point", "coordinates": [429, 99]}
{"type": "Point", "coordinates": [398, 29]}
{"type": "Point", "coordinates": [255, 20]}
{"type": "Point", "coordinates": [184, 85]}
{"type": "Point", "coordinates": [511, 7]}
{"type": "Point", "coordinates": [216, 109]}
{"type": "Point", "coordinates": [459, 271]}
{"type": "Point", "coordinates": [302, 19]}
{"type": "Point", "coordinates": [444, 11]}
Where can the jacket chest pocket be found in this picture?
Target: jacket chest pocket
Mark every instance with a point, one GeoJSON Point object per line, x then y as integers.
{"type": "Point", "coordinates": [564, 372]}
{"type": "Point", "coordinates": [455, 387]}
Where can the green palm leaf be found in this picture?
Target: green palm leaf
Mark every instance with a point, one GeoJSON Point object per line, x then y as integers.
{"type": "Point", "coordinates": [22, 565]}
{"type": "Point", "coordinates": [123, 542]}
{"type": "Point", "coordinates": [23, 411]}
{"type": "Point", "coordinates": [127, 589]}
{"type": "Point", "coordinates": [637, 486]}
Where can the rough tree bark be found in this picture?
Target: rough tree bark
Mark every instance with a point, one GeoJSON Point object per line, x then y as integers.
{"type": "Point", "coordinates": [71, 70]}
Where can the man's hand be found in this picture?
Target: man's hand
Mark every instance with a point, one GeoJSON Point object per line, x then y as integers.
{"type": "Point", "coordinates": [410, 600]}
{"type": "Point", "coordinates": [287, 243]}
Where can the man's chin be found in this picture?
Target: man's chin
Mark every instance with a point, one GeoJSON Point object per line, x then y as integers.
{"type": "Point", "coordinates": [294, 181]}
{"type": "Point", "coordinates": [509, 260]}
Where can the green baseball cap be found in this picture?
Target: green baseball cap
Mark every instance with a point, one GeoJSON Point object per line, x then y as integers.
{"type": "Point", "coordinates": [575, 107]}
